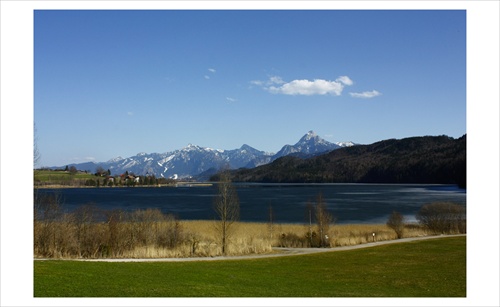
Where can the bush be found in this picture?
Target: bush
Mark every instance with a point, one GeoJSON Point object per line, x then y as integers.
{"type": "Point", "coordinates": [443, 217]}
{"type": "Point", "coordinates": [397, 223]}
{"type": "Point", "coordinates": [307, 240]}
{"type": "Point", "coordinates": [89, 232]}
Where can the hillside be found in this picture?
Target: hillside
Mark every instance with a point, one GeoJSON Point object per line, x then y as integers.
{"type": "Point", "coordinates": [428, 159]}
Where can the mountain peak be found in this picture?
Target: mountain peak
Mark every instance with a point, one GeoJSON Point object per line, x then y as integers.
{"type": "Point", "coordinates": [246, 147]}
{"type": "Point", "coordinates": [311, 136]}
{"type": "Point", "coordinates": [310, 143]}
{"type": "Point", "coordinates": [191, 146]}
{"type": "Point", "coordinates": [119, 158]}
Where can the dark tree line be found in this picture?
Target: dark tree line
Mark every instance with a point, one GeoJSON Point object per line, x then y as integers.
{"type": "Point", "coordinates": [439, 159]}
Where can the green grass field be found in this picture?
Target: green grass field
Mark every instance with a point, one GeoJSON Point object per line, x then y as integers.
{"type": "Point", "coordinates": [46, 175]}
{"type": "Point", "coordinates": [428, 268]}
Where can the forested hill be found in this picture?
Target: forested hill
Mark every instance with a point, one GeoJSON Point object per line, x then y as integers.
{"type": "Point", "coordinates": [428, 159]}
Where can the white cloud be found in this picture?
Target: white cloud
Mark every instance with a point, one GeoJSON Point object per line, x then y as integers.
{"type": "Point", "coordinates": [366, 94]}
{"type": "Point", "coordinates": [230, 99]}
{"type": "Point", "coordinates": [345, 79]}
{"type": "Point", "coordinates": [212, 70]}
{"type": "Point", "coordinates": [257, 82]}
{"type": "Point", "coordinates": [276, 80]}
{"type": "Point", "coordinates": [277, 85]}
{"type": "Point", "coordinates": [306, 87]}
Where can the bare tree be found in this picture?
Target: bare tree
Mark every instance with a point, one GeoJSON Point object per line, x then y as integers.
{"type": "Point", "coordinates": [47, 216]}
{"type": "Point", "coordinates": [323, 220]}
{"type": "Point", "coordinates": [227, 209]}
{"type": "Point", "coordinates": [397, 223]}
{"type": "Point", "coordinates": [36, 152]}
{"type": "Point", "coordinates": [117, 234]}
{"type": "Point", "coordinates": [72, 170]}
{"type": "Point", "coordinates": [270, 225]}
{"type": "Point", "coordinates": [89, 237]}
{"type": "Point", "coordinates": [100, 171]}
{"type": "Point", "coordinates": [309, 218]}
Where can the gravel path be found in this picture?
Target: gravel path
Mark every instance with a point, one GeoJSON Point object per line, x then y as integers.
{"type": "Point", "coordinates": [279, 252]}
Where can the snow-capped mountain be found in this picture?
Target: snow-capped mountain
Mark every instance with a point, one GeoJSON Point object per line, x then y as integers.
{"type": "Point", "coordinates": [193, 160]}
{"type": "Point", "coordinates": [183, 163]}
{"type": "Point", "coordinates": [309, 144]}
{"type": "Point", "coordinates": [345, 144]}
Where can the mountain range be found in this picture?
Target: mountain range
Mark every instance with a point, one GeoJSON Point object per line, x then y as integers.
{"type": "Point", "coordinates": [194, 160]}
{"type": "Point", "coordinates": [427, 159]}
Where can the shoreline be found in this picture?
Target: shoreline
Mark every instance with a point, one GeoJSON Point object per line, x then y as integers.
{"type": "Point", "coordinates": [207, 184]}
{"type": "Point", "coordinates": [179, 184]}
{"type": "Point", "coordinates": [277, 252]}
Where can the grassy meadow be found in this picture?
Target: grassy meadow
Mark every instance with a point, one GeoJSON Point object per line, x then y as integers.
{"type": "Point", "coordinates": [50, 178]}
{"type": "Point", "coordinates": [427, 268]}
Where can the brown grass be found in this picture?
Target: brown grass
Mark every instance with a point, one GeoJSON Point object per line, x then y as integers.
{"type": "Point", "coordinates": [199, 239]}
{"type": "Point", "coordinates": [257, 238]}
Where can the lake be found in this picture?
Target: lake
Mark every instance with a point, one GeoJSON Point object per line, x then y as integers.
{"type": "Point", "coordinates": [348, 203]}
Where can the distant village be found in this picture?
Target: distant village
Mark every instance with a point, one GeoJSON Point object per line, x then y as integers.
{"type": "Point", "coordinates": [130, 179]}
{"type": "Point", "coordinates": [72, 177]}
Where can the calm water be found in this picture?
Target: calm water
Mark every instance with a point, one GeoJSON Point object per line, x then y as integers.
{"type": "Point", "coordinates": [349, 203]}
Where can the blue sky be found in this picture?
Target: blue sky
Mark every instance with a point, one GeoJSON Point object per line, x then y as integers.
{"type": "Point", "coordinates": [105, 93]}
{"type": "Point", "coordinates": [116, 83]}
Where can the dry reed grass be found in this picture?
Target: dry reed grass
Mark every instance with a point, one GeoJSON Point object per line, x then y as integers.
{"type": "Point", "coordinates": [249, 238]}
{"type": "Point", "coordinates": [200, 239]}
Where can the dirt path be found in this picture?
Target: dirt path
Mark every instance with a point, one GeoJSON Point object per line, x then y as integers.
{"type": "Point", "coordinates": [279, 252]}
